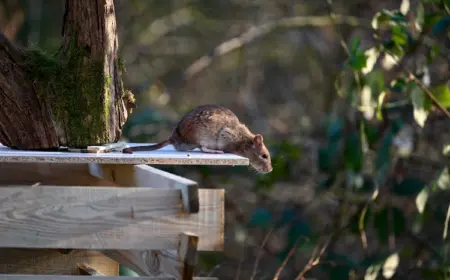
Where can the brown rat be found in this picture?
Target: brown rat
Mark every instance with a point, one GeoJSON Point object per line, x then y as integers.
{"type": "Point", "coordinates": [215, 129]}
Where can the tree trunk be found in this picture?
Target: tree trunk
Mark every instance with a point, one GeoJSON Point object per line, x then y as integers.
{"type": "Point", "coordinates": [74, 99]}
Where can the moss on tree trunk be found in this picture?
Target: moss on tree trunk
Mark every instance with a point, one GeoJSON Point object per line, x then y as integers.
{"type": "Point", "coordinates": [75, 98]}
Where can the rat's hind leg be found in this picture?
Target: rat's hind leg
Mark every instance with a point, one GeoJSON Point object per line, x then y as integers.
{"type": "Point", "coordinates": [210, 151]}
{"type": "Point", "coordinates": [183, 147]}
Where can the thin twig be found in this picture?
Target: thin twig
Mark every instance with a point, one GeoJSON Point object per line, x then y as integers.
{"type": "Point", "coordinates": [427, 91]}
{"type": "Point", "coordinates": [258, 257]}
{"type": "Point", "coordinates": [285, 261]}
{"type": "Point", "coordinates": [258, 32]}
{"type": "Point", "coordinates": [314, 260]}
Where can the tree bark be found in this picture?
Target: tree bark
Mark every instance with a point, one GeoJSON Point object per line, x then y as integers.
{"type": "Point", "coordinates": [74, 99]}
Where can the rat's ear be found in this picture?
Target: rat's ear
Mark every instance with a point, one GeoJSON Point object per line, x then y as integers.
{"type": "Point", "coordinates": [258, 139]}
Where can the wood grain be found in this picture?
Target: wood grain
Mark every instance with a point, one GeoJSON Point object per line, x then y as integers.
{"type": "Point", "coordinates": [106, 218]}
{"type": "Point", "coordinates": [49, 261]}
{"type": "Point", "coordinates": [179, 264]}
{"type": "Point", "coordinates": [57, 174]}
{"type": "Point", "coordinates": [70, 277]}
{"type": "Point", "coordinates": [146, 176]}
{"type": "Point", "coordinates": [167, 155]}
{"type": "Point", "coordinates": [86, 269]}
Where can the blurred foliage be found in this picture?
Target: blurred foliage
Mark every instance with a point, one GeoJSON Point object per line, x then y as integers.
{"type": "Point", "coordinates": [368, 142]}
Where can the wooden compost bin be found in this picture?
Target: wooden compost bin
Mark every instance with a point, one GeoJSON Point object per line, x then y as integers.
{"type": "Point", "coordinates": [108, 208]}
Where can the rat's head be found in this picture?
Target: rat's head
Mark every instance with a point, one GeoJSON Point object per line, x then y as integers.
{"type": "Point", "coordinates": [258, 155]}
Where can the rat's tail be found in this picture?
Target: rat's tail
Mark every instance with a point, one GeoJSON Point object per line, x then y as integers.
{"type": "Point", "coordinates": [153, 147]}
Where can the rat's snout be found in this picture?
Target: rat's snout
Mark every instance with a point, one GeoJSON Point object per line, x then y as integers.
{"type": "Point", "coordinates": [268, 169]}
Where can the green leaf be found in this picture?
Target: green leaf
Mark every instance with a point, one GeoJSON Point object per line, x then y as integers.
{"type": "Point", "coordinates": [421, 200]}
{"type": "Point", "coordinates": [442, 94]}
{"type": "Point", "coordinates": [358, 58]}
{"type": "Point", "coordinates": [354, 44]}
{"type": "Point", "coordinates": [442, 26]}
{"type": "Point", "coordinates": [261, 217]}
{"type": "Point", "coordinates": [418, 99]}
{"type": "Point", "coordinates": [372, 272]}
{"type": "Point", "coordinates": [383, 224]}
{"type": "Point", "coordinates": [379, 20]}
{"type": "Point", "coordinates": [390, 265]}
{"type": "Point", "coordinates": [409, 186]}
{"type": "Point", "coordinates": [432, 53]}
{"type": "Point", "coordinates": [373, 265]}
{"type": "Point", "coordinates": [443, 180]}
{"type": "Point", "coordinates": [399, 35]}
{"type": "Point", "coordinates": [371, 132]}
{"type": "Point", "coordinates": [353, 152]}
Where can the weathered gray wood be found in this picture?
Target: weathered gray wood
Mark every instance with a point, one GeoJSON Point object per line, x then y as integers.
{"type": "Point", "coordinates": [166, 155]}
{"type": "Point", "coordinates": [76, 277]}
{"type": "Point", "coordinates": [106, 218]}
{"type": "Point", "coordinates": [179, 264]}
{"type": "Point", "coordinates": [50, 261]}
{"type": "Point", "coordinates": [147, 176]}
{"type": "Point", "coordinates": [47, 173]}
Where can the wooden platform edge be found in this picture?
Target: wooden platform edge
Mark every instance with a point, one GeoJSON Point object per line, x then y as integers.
{"type": "Point", "coordinates": [84, 277]}
{"type": "Point", "coordinates": [146, 176]}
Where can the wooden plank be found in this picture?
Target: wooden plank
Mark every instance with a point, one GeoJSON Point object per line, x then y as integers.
{"type": "Point", "coordinates": [58, 174]}
{"type": "Point", "coordinates": [166, 155]}
{"type": "Point", "coordinates": [179, 264]}
{"type": "Point", "coordinates": [153, 262]}
{"type": "Point", "coordinates": [71, 277]}
{"type": "Point", "coordinates": [50, 261]}
{"type": "Point", "coordinates": [106, 218]}
{"type": "Point", "coordinates": [146, 176]}
{"type": "Point", "coordinates": [86, 269]}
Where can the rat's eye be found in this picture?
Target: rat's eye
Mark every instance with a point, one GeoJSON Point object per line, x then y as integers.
{"type": "Point", "coordinates": [264, 156]}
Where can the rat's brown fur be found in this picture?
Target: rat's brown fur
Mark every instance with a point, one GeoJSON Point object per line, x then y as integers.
{"type": "Point", "coordinates": [215, 129]}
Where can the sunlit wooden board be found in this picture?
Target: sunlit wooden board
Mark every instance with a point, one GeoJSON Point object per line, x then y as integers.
{"type": "Point", "coordinates": [166, 155]}
{"type": "Point", "coordinates": [106, 218]}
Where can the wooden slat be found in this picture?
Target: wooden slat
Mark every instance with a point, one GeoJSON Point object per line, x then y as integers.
{"type": "Point", "coordinates": [176, 263]}
{"type": "Point", "coordinates": [179, 264]}
{"type": "Point", "coordinates": [166, 155]}
{"type": "Point", "coordinates": [71, 277]}
{"type": "Point", "coordinates": [49, 261]}
{"type": "Point", "coordinates": [147, 176]}
{"type": "Point", "coordinates": [57, 174]}
{"type": "Point", "coordinates": [106, 218]}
